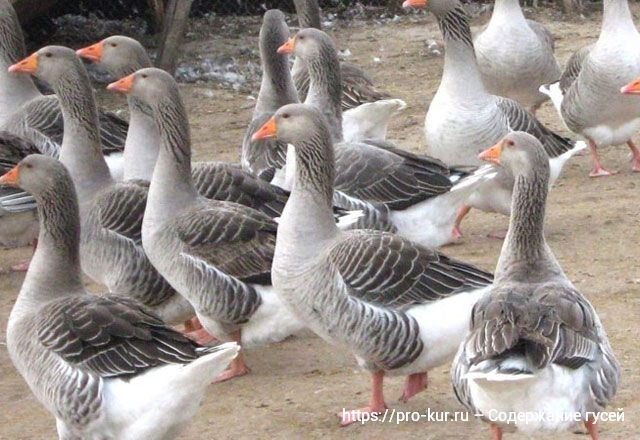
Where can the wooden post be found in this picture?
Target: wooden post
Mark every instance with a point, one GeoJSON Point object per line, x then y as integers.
{"type": "Point", "coordinates": [157, 14]}
{"type": "Point", "coordinates": [176, 16]}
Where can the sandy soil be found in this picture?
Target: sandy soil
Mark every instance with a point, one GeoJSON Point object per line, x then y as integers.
{"type": "Point", "coordinates": [296, 386]}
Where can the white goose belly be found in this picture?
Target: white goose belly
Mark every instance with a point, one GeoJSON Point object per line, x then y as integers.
{"type": "Point", "coordinates": [456, 134]}
{"type": "Point", "coordinates": [443, 326]}
{"type": "Point", "coordinates": [550, 397]}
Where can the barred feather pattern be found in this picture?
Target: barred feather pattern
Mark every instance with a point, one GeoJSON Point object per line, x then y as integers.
{"type": "Point", "coordinates": [454, 26]}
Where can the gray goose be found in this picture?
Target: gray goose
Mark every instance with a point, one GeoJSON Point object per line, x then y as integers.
{"type": "Point", "coordinates": [104, 367]}
{"type": "Point", "coordinates": [535, 343]}
{"type": "Point", "coordinates": [216, 254]}
{"type": "Point", "coordinates": [421, 194]}
{"type": "Point", "coordinates": [111, 212]}
{"type": "Point", "coordinates": [357, 87]}
{"type": "Point", "coordinates": [121, 56]}
{"type": "Point", "coordinates": [400, 308]}
{"type": "Point", "coordinates": [515, 55]}
{"type": "Point", "coordinates": [464, 118]}
{"type": "Point", "coordinates": [267, 159]}
{"type": "Point", "coordinates": [598, 72]}
{"type": "Point", "coordinates": [25, 112]}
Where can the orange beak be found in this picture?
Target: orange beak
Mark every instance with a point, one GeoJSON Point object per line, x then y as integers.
{"type": "Point", "coordinates": [418, 4]}
{"type": "Point", "coordinates": [11, 177]}
{"type": "Point", "coordinates": [287, 48]}
{"type": "Point", "coordinates": [492, 154]}
{"type": "Point", "coordinates": [633, 88]}
{"type": "Point", "coordinates": [92, 53]}
{"type": "Point", "coordinates": [267, 131]}
{"type": "Point", "coordinates": [123, 85]}
{"type": "Point", "coordinates": [28, 65]}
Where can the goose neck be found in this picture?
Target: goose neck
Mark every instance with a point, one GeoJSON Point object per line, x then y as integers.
{"type": "Point", "coordinates": [616, 19]}
{"type": "Point", "coordinates": [141, 146]}
{"type": "Point", "coordinates": [277, 88]}
{"type": "Point", "coordinates": [507, 12]}
{"type": "Point", "coordinates": [308, 214]}
{"type": "Point", "coordinates": [460, 73]}
{"type": "Point", "coordinates": [171, 189]}
{"type": "Point", "coordinates": [308, 12]}
{"type": "Point", "coordinates": [525, 247]}
{"type": "Point", "coordinates": [81, 150]}
{"type": "Point", "coordinates": [55, 269]}
{"type": "Point", "coordinates": [325, 88]}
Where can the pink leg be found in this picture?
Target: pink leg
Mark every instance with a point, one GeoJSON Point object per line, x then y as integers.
{"type": "Point", "coordinates": [237, 367]}
{"type": "Point", "coordinates": [201, 336]}
{"type": "Point", "coordinates": [23, 266]}
{"type": "Point", "coordinates": [597, 170]}
{"type": "Point", "coordinates": [376, 404]}
{"type": "Point", "coordinates": [635, 157]}
{"type": "Point", "coordinates": [496, 432]}
{"type": "Point", "coordinates": [456, 232]}
{"type": "Point", "coordinates": [592, 428]}
{"type": "Point", "coordinates": [413, 385]}
{"type": "Point", "coordinates": [192, 325]}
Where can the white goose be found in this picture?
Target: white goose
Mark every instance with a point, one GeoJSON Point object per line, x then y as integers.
{"type": "Point", "coordinates": [592, 82]}
{"type": "Point", "coordinates": [515, 55]}
{"type": "Point", "coordinates": [464, 117]}
{"type": "Point", "coordinates": [400, 308]}
{"type": "Point", "coordinates": [104, 367]}
{"type": "Point", "coordinates": [216, 254]}
{"type": "Point", "coordinates": [535, 346]}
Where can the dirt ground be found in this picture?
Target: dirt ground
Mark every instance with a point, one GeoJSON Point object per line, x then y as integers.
{"type": "Point", "coordinates": [297, 386]}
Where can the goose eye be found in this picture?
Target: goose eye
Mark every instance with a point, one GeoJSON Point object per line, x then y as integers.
{"type": "Point", "coordinates": [48, 55]}
{"type": "Point", "coordinates": [301, 37]}
{"type": "Point", "coordinates": [144, 75]}
{"type": "Point", "coordinates": [114, 45]}
{"type": "Point", "coordinates": [285, 116]}
{"type": "Point", "coordinates": [509, 143]}
{"type": "Point", "coordinates": [28, 165]}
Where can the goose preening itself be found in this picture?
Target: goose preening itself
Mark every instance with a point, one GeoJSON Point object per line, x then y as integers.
{"type": "Point", "coordinates": [25, 112]}
{"type": "Point", "coordinates": [216, 254]}
{"type": "Point", "coordinates": [535, 343]}
{"type": "Point", "coordinates": [400, 308]}
{"type": "Point", "coordinates": [464, 118]}
{"type": "Point", "coordinates": [421, 195]}
{"type": "Point", "coordinates": [357, 87]}
{"type": "Point", "coordinates": [515, 55]}
{"type": "Point", "coordinates": [104, 367]}
{"type": "Point", "coordinates": [588, 94]}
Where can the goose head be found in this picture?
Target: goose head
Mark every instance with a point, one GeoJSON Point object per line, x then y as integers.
{"type": "Point", "coordinates": [118, 54]}
{"type": "Point", "coordinates": [518, 152]}
{"type": "Point", "coordinates": [37, 174]}
{"type": "Point", "coordinates": [151, 87]}
{"type": "Point", "coordinates": [50, 64]}
{"type": "Point", "coordinates": [308, 44]}
{"type": "Point", "coordinates": [295, 124]}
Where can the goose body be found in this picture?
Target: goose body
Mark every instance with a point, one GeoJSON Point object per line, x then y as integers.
{"type": "Point", "coordinates": [104, 367]}
{"type": "Point", "coordinates": [216, 254]}
{"type": "Point", "coordinates": [592, 81]}
{"type": "Point", "coordinates": [515, 56]}
{"type": "Point", "coordinates": [535, 344]}
{"type": "Point", "coordinates": [373, 293]}
{"type": "Point", "coordinates": [25, 112]}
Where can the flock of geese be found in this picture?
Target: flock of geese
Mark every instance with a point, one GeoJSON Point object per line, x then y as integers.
{"type": "Point", "coordinates": [324, 225]}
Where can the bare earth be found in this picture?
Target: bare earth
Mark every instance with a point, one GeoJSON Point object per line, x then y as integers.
{"type": "Point", "coordinates": [297, 386]}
